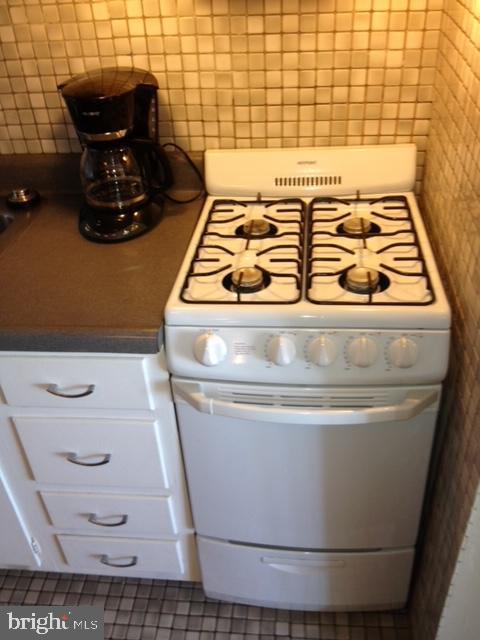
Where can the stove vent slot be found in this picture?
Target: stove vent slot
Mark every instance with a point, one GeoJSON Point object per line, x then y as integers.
{"type": "Point", "coordinates": [320, 400]}
{"type": "Point", "coordinates": [307, 181]}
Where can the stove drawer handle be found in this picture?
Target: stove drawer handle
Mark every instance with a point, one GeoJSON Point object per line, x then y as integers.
{"type": "Point", "coordinates": [55, 390]}
{"type": "Point", "coordinates": [303, 566]}
{"type": "Point", "coordinates": [413, 405]}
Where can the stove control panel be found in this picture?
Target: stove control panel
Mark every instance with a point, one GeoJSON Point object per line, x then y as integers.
{"type": "Point", "coordinates": [308, 356]}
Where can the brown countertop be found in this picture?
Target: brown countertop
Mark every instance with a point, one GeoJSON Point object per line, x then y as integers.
{"type": "Point", "coordinates": [60, 292]}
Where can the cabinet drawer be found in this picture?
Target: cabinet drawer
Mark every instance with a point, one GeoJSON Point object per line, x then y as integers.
{"type": "Point", "coordinates": [111, 514]}
{"type": "Point", "coordinates": [123, 557]}
{"type": "Point", "coordinates": [93, 452]}
{"type": "Point", "coordinates": [75, 381]}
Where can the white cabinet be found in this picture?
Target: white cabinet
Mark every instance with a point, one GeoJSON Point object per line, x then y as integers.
{"type": "Point", "coordinates": [15, 543]}
{"type": "Point", "coordinates": [108, 513]}
{"type": "Point", "coordinates": [91, 451]}
{"type": "Point", "coordinates": [90, 443]}
{"type": "Point", "coordinates": [76, 381]}
{"type": "Point", "coordinates": [129, 555]}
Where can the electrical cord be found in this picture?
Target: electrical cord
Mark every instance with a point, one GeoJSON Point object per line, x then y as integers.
{"type": "Point", "coordinates": [195, 170]}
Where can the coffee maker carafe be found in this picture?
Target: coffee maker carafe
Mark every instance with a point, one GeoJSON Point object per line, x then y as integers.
{"type": "Point", "coordinates": [123, 168]}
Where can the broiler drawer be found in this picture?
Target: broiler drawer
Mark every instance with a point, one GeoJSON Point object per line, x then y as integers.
{"type": "Point", "coordinates": [273, 577]}
{"type": "Point", "coordinates": [110, 514]}
{"type": "Point", "coordinates": [93, 452]}
{"type": "Point", "coordinates": [79, 381]}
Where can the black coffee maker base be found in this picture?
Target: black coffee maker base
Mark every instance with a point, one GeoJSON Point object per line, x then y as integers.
{"type": "Point", "coordinates": [106, 227]}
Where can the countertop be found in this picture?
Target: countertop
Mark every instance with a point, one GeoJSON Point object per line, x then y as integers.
{"type": "Point", "coordinates": [61, 292]}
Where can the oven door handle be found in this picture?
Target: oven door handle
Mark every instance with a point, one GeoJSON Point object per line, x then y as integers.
{"type": "Point", "coordinates": [414, 404]}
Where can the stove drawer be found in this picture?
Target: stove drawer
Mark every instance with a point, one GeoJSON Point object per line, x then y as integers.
{"type": "Point", "coordinates": [305, 580]}
{"type": "Point", "coordinates": [87, 451]}
{"type": "Point", "coordinates": [79, 381]}
{"type": "Point", "coordinates": [108, 514]}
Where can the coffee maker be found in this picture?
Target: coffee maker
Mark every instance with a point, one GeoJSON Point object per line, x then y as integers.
{"type": "Point", "coordinates": [123, 168]}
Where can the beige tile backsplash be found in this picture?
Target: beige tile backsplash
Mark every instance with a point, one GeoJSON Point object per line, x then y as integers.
{"type": "Point", "coordinates": [451, 197]}
{"type": "Point", "coordinates": [233, 73]}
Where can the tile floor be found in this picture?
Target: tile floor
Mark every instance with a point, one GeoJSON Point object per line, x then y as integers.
{"type": "Point", "coordinates": [165, 610]}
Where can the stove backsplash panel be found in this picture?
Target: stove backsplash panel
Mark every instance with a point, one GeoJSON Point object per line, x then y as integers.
{"type": "Point", "coordinates": [233, 73]}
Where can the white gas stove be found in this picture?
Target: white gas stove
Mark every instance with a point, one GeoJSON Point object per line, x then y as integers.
{"type": "Point", "coordinates": [312, 266]}
{"type": "Point", "coordinates": [307, 334]}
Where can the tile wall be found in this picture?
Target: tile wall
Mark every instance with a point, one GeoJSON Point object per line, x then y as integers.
{"type": "Point", "coordinates": [233, 73]}
{"type": "Point", "coordinates": [452, 208]}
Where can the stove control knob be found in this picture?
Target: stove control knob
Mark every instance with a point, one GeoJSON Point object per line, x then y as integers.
{"type": "Point", "coordinates": [210, 349]}
{"type": "Point", "coordinates": [403, 353]}
{"type": "Point", "coordinates": [362, 352]}
{"type": "Point", "coordinates": [322, 351]}
{"type": "Point", "coordinates": [281, 350]}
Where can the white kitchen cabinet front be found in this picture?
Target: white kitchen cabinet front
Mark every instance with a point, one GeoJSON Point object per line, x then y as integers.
{"type": "Point", "coordinates": [82, 381]}
{"type": "Point", "coordinates": [16, 549]}
{"type": "Point", "coordinates": [91, 451]}
{"type": "Point", "coordinates": [96, 466]}
{"type": "Point", "coordinates": [94, 513]}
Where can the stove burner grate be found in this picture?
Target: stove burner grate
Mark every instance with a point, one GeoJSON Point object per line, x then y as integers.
{"type": "Point", "coordinates": [261, 223]}
{"type": "Point", "coordinates": [328, 211]}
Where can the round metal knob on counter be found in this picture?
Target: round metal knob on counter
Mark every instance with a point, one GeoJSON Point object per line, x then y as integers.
{"type": "Point", "coordinates": [362, 352]}
{"type": "Point", "coordinates": [403, 353]}
{"type": "Point", "coordinates": [23, 198]}
{"type": "Point", "coordinates": [210, 349]}
{"type": "Point", "coordinates": [281, 350]}
{"type": "Point", "coordinates": [322, 351]}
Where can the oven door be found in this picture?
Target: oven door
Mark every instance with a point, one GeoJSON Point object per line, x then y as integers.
{"type": "Point", "coordinates": [306, 467]}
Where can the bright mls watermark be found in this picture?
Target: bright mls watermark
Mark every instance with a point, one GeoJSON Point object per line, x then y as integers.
{"type": "Point", "coordinates": [22, 623]}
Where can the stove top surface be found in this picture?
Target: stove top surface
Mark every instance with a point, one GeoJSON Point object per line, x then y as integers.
{"type": "Point", "coordinates": [348, 259]}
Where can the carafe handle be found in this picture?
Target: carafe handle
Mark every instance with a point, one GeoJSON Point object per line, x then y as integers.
{"type": "Point", "coordinates": [156, 167]}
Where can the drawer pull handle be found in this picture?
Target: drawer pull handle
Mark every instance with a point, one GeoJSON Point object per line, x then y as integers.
{"type": "Point", "coordinates": [104, 559]}
{"type": "Point", "coordinates": [74, 458]}
{"type": "Point", "coordinates": [55, 390]}
{"type": "Point", "coordinates": [94, 520]}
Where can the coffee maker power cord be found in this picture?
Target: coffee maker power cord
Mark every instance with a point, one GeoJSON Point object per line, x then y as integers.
{"type": "Point", "coordinates": [195, 170]}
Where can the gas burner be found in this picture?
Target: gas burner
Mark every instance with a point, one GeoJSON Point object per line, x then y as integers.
{"type": "Point", "coordinates": [256, 228]}
{"type": "Point", "coordinates": [358, 227]}
{"type": "Point", "coordinates": [247, 280]}
{"type": "Point", "coordinates": [364, 280]}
